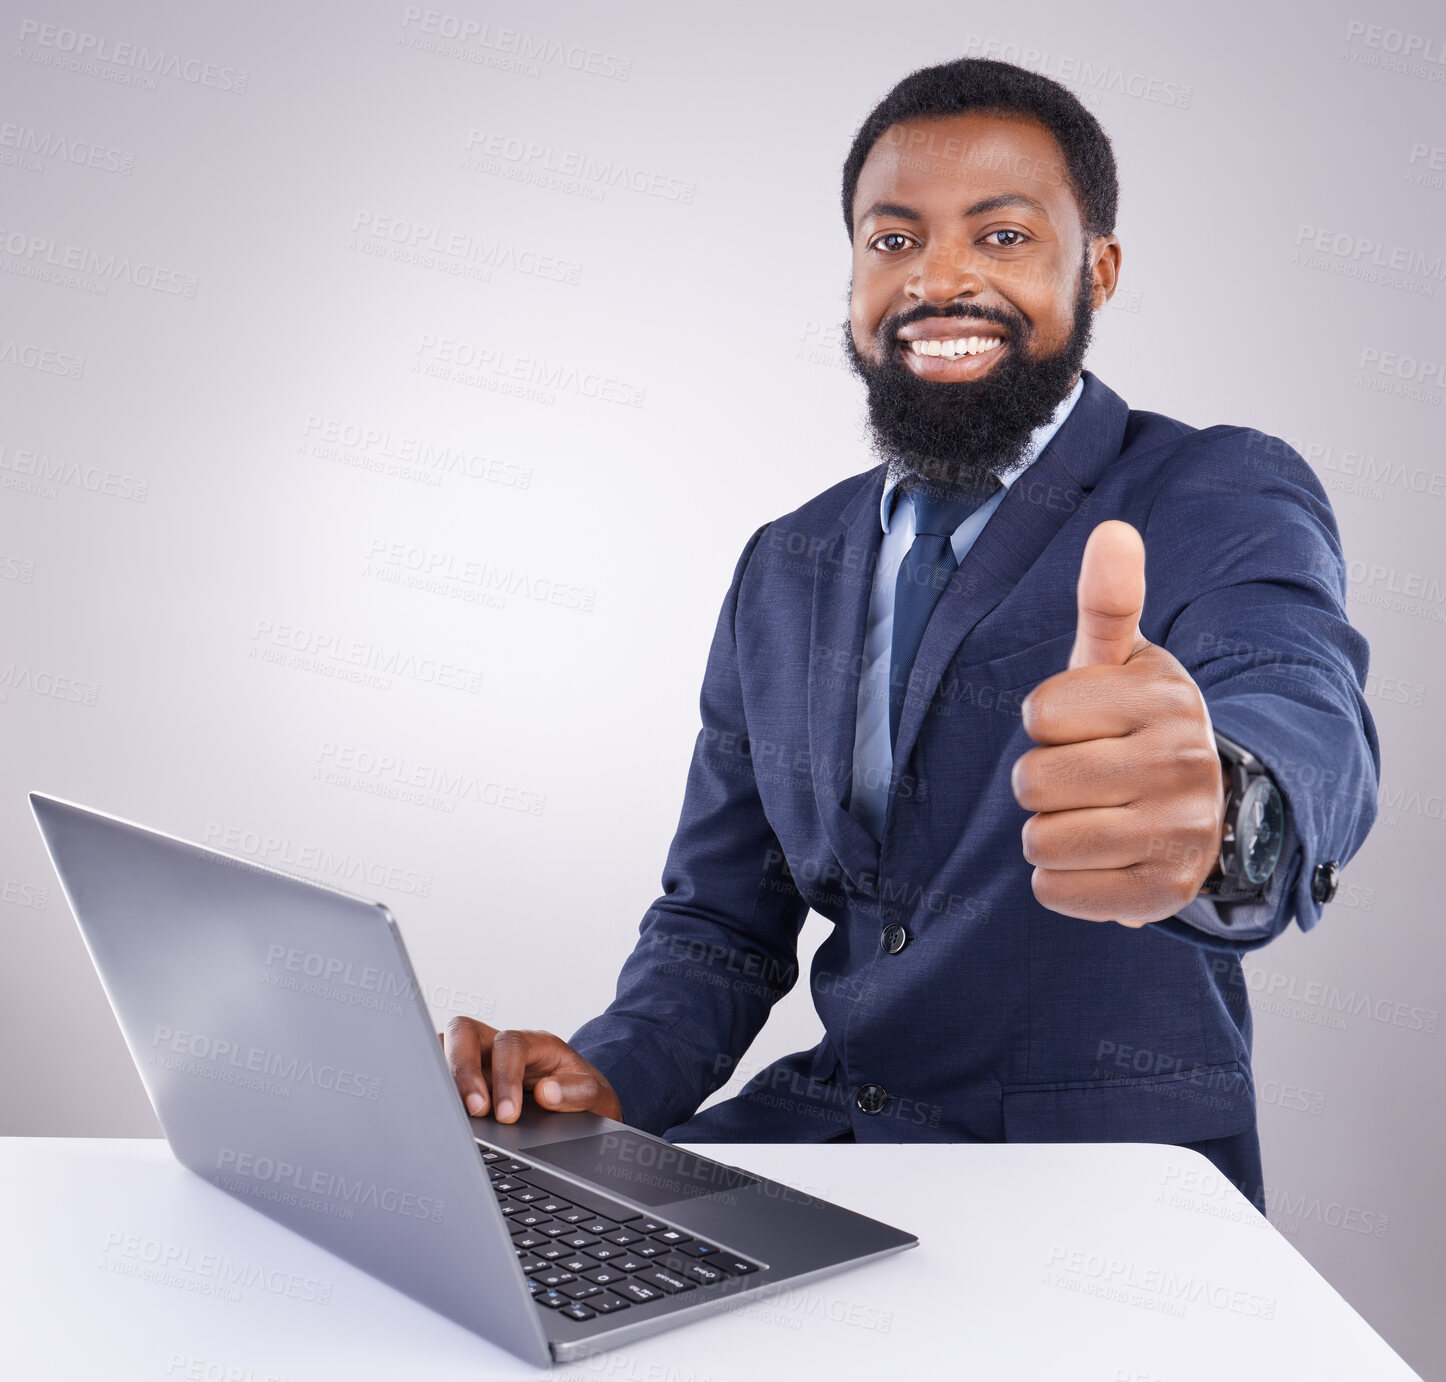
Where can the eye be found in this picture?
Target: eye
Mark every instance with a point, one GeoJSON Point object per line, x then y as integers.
{"type": "Point", "coordinates": [889, 235]}
{"type": "Point", "coordinates": [1019, 238]}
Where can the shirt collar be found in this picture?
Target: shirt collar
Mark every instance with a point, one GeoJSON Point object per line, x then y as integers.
{"type": "Point", "coordinates": [1038, 440]}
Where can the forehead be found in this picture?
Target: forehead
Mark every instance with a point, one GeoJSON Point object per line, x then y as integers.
{"type": "Point", "coordinates": [951, 161]}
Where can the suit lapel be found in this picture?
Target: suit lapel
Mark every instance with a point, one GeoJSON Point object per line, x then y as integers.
{"type": "Point", "coordinates": [842, 583]}
{"type": "Point", "coordinates": [1033, 510]}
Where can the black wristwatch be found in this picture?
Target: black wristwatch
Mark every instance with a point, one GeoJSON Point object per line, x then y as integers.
{"type": "Point", "coordinates": [1254, 828]}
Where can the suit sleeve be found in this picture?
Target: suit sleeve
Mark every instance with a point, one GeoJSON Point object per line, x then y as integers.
{"type": "Point", "coordinates": [1266, 637]}
{"type": "Point", "coordinates": [720, 946]}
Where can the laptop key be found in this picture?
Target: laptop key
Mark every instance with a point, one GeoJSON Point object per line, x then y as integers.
{"type": "Point", "coordinates": [553, 1275]}
{"type": "Point", "coordinates": [489, 1157]}
{"type": "Point", "coordinates": [738, 1266]}
{"type": "Point", "coordinates": [622, 1237]}
{"type": "Point", "coordinates": [648, 1248]}
{"type": "Point", "coordinates": [697, 1249]}
{"type": "Point", "coordinates": [529, 1263]}
{"type": "Point", "coordinates": [642, 1224]}
{"type": "Point", "coordinates": [604, 1252]}
{"type": "Point", "coordinates": [528, 1239]}
{"type": "Point", "coordinates": [577, 1311]}
{"type": "Point", "coordinates": [552, 1205]}
{"type": "Point", "coordinates": [553, 1252]}
{"type": "Point", "coordinates": [637, 1291]}
{"type": "Point", "coordinates": [673, 1237]}
{"type": "Point", "coordinates": [604, 1276]}
{"type": "Point", "coordinates": [516, 1167]}
{"type": "Point", "coordinates": [527, 1195]}
{"type": "Point", "coordinates": [704, 1273]}
{"type": "Point", "coordinates": [553, 1300]}
{"type": "Point", "coordinates": [598, 1226]}
{"type": "Point", "coordinates": [555, 1229]}
{"type": "Point", "coordinates": [607, 1303]}
{"type": "Point", "coordinates": [671, 1282]}
{"type": "Point", "coordinates": [629, 1263]}
{"type": "Point", "coordinates": [578, 1240]}
{"type": "Point", "coordinates": [532, 1218]}
{"type": "Point", "coordinates": [576, 1263]}
{"type": "Point", "coordinates": [581, 1290]}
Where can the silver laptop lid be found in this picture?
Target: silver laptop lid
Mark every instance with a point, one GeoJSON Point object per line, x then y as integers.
{"type": "Point", "coordinates": [284, 1043]}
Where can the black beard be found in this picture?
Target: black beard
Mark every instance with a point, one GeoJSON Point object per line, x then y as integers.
{"type": "Point", "coordinates": [950, 437]}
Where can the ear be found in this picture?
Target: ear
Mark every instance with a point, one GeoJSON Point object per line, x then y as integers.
{"type": "Point", "coordinates": [1104, 253]}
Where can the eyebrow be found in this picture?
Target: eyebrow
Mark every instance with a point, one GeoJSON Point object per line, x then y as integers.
{"type": "Point", "coordinates": [908, 213]}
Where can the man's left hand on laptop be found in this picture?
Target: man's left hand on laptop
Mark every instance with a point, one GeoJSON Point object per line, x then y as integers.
{"type": "Point", "coordinates": [493, 1067]}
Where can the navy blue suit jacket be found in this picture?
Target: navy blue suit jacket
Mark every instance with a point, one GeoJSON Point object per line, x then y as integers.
{"type": "Point", "coordinates": [999, 1019]}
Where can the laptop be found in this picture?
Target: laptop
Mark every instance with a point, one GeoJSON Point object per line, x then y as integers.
{"type": "Point", "coordinates": [286, 1046]}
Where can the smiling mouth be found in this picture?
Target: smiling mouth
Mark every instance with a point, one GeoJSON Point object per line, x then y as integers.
{"type": "Point", "coordinates": [958, 357]}
{"type": "Point", "coordinates": [951, 350]}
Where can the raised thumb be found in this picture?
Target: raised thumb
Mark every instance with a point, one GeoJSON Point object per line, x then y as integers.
{"type": "Point", "coordinates": [1111, 596]}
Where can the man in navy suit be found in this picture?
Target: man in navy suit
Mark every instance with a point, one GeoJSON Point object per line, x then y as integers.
{"type": "Point", "coordinates": [1052, 714]}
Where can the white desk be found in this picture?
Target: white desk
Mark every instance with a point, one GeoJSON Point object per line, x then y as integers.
{"type": "Point", "coordinates": [1059, 1263]}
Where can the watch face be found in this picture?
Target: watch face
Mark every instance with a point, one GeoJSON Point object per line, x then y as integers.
{"type": "Point", "coordinates": [1260, 830]}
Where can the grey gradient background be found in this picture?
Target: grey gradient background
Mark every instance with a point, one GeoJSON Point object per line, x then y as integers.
{"type": "Point", "coordinates": [215, 490]}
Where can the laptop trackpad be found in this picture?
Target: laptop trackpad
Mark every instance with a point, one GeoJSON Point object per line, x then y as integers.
{"type": "Point", "coordinates": [644, 1169]}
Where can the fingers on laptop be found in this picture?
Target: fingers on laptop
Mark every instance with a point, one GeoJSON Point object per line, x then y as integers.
{"type": "Point", "coordinates": [467, 1043]}
{"type": "Point", "coordinates": [559, 1078]}
{"type": "Point", "coordinates": [492, 1069]}
{"type": "Point", "coordinates": [516, 1056]}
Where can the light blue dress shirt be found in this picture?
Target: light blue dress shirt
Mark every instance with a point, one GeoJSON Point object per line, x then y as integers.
{"type": "Point", "coordinates": [873, 754]}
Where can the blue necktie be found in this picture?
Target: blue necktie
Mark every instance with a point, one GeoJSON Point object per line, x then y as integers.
{"type": "Point", "coordinates": [923, 574]}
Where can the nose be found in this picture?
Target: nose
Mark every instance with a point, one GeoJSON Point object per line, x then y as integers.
{"type": "Point", "coordinates": [947, 269]}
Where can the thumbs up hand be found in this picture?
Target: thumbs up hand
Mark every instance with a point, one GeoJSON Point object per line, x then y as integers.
{"type": "Point", "coordinates": [1126, 785]}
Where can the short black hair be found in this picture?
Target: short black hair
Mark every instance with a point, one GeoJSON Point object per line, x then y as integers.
{"type": "Point", "coordinates": [999, 88]}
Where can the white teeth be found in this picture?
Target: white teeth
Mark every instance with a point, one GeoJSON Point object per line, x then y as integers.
{"type": "Point", "coordinates": [950, 350]}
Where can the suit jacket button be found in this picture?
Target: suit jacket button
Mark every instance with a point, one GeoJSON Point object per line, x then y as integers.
{"type": "Point", "coordinates": [1325, 880]}
{"type": "Point", "coordinates": [871, 1098]}
{"type": "Point", "coordinates": [894, 938]}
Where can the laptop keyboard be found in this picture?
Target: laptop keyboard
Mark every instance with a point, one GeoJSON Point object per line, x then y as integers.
{"type": "Point", "coordinates": [594, 1256]}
